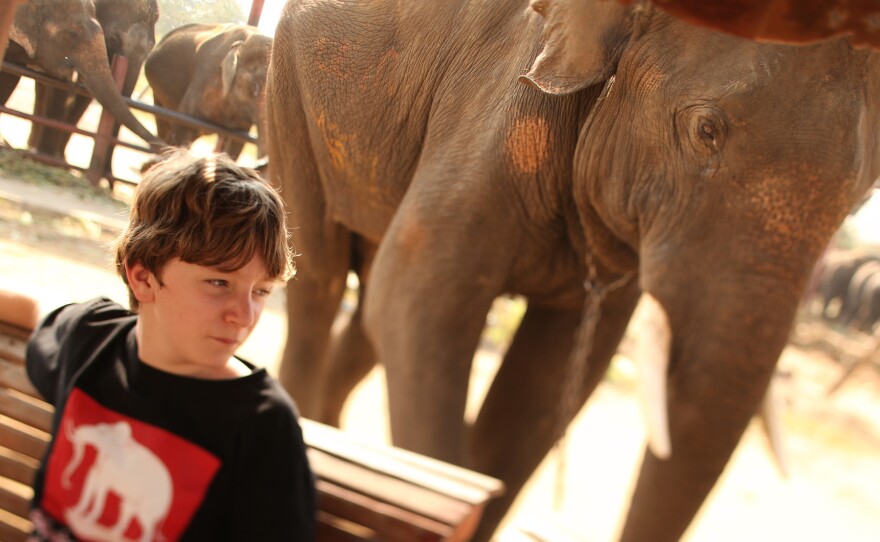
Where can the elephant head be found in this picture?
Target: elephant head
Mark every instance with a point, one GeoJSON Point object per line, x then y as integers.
{"type": "Point", "coordinates": [724, 194]}
{"type": "Point", "coordinates": [243, 77]}
{"type": "Point", "coordinates": [103, 436]}
{"type": "Point", "coordinates": [63, 37]}
{"type": "Point", "coordinates": [129, 31]}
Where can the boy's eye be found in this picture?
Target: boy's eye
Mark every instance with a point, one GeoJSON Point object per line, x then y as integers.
{"type": "Point", "coordinates": [218, 282]}
{"type": "Point", "coordinates": [263, 292]}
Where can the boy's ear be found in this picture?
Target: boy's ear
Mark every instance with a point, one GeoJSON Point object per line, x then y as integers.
{"type": "Point", "coordinates": [141, 281]}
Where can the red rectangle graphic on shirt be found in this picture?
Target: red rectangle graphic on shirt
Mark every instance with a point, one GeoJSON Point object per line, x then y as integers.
{"type": "Point", "coordinates": [111, 477]}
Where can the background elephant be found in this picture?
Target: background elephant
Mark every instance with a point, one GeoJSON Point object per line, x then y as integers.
{"type": "Point", "coordinates": [129, 31]}
{"type": "Point", "coordinates": [60, 37]}
{"type": "Point", "coordinates": [837, 270]}
{"type": "Point", "coordinates": [643, 157]}
{"type": "Point", "coordinates": [869, 313]}
{"type": "Point", "coordinates": [215, 72]}
{"type": "Point", "coordinates": [861, 306]}
{"type": "Point", "coordinates": [855, 291]}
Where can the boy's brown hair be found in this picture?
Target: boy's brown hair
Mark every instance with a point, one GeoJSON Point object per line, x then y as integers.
{"type": "Point", "coordinates": [206, 211]}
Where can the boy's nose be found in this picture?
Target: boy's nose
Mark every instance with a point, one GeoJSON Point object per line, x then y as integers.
{"type": "Point", "coordinates": [243, 311]}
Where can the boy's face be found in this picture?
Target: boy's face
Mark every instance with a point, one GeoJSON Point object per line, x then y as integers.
{"type": "Point", "coordinates": [199, 316]}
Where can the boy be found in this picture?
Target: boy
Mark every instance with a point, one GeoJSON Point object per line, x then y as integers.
{"type": "Point", "coordinates": [160, 432]}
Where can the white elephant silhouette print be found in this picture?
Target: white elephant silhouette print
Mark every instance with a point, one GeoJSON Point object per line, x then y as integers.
{"type": "Point", "coordinates": [122, 466]}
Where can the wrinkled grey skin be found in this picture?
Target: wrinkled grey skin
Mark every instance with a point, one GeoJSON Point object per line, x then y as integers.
{"type": "Point", "coordinates": [63, 36]}
{"type": "Point", "coordinates": [212, 72]}
{"type": "Point", "coordinates": [410, 150]}
{"type": "Point", "coordinates": [129, 31]}
{"type": "Point", "coordinates": [837, 271]}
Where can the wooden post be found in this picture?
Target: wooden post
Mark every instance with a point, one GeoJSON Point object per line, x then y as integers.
{"type": "Point", "coordinates": [256, 11]}
{"type": "Point", "coordinates": [104, 135]}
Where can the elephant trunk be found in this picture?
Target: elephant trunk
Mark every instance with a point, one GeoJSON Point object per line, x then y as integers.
{"type": "Point", "coordinates": [95, 73]}
{"type": "Point", "coordinates": [137, 42]}
{"type": "Point", "coordinates": [78, 452]}
{"type": "Point", "coordinates": [722, 338]}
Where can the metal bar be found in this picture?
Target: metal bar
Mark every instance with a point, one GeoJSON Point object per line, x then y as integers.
{"type": "Point", "coordinates": [104, 137]}
{"type": "Point", "coordinates": [53, 160]}
{"type": "Point", "coordinates": [174, 116]}
{"type": "Point", "coordinates": [192, 122]}
{"type": "Point", "coordinates": [69, 127]}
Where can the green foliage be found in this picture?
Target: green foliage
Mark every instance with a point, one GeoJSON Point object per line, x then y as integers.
{"type": "Point", "coordinates": [176, 13]}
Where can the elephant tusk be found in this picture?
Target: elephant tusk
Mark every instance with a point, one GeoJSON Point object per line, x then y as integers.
{"type": "Point", "coordinates": [771, 421]}
{"type": "Point", "coordinates": [651, 356]}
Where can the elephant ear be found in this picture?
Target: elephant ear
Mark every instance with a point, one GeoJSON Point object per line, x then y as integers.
{"type": "Point", "coordinates": [25, 28]}
{"type": "Point", "coordinates": [583, 40]}
{"type": "Point", "coordinates": [229, 65]}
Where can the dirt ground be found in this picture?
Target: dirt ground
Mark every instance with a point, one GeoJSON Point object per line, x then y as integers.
{"type": "Point", "coordinates": [832, 491]}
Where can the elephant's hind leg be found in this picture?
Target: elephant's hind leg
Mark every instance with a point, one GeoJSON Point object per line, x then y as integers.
{"type": "Point", "coordinates": [314, 294]}
{"type": "Point", "coordinates": [350, 359]}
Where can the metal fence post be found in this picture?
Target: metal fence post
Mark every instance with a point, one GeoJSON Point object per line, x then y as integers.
{"type": "Point", "coordinates": [104, 135]}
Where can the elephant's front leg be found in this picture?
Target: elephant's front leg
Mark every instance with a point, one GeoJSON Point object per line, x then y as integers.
{"type": "Point", "coordinates": [433, 281]}
{"type": "Point", "coordinates": [523, 411]}
{"type": "Point", "coordinates": [92, 497]}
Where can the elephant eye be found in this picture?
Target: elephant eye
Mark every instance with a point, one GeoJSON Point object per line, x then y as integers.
{"type": "Point", "coordinates": [707, 130]}
{"type": "Point", "coordinates": [702, 129]}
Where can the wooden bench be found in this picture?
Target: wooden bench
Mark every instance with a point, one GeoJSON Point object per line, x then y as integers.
{"type": "Point", "coordinates": [365, 492]}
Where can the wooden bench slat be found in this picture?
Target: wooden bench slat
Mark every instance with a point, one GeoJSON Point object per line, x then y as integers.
{"type": "Point", "coordinates": [408, 496]}
{"type": "Point", "coordinates": [462, 484]}
{"type": "Point", "coordinates": [21, 438]}
{"type": "Point", "coordinates": [13, 528]}
{"type": "Point", "coordinates": [26, 409]}
{"type": "Point", "coordinates": [395, 524]}
{"type": "Point", "coordinates": [330, 527]}
{"type": "Point", "coordinates": [12, 349]}
{"type": "Point", "coordinates": [13, 331]}
{"type": "Point", "coordinates": [13, 376]}
{"type": "Point", "coordinates": [15, 498]}
{"type": "Point", "coordinates": [17, 466]}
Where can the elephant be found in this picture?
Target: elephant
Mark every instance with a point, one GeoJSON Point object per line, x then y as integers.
{"type": "Point", "coordinates": [835, 274]}
{"type": "Point", "coordinates": [589, 156]}
{"type": "Point", "coordinates": [868, 314]}
{"type": "Point", "coordinates": [214, 72]}
{"type": "Point", "coordinates": [63, 36]}
{"type": "Point", "coordinates": [129, 28]}
{"type": "Point", "coordinates": [124, 467]}
{"type": "Point", "coordinates": [855, 291]}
